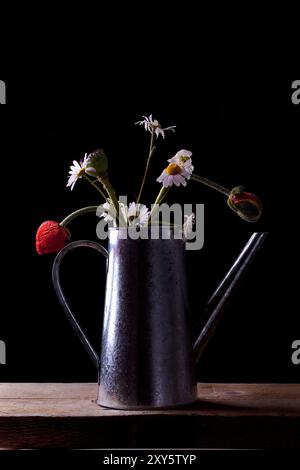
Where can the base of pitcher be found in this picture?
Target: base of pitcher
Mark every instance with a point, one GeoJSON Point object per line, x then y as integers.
{"type": "Point", "coordinates": [147, 407]}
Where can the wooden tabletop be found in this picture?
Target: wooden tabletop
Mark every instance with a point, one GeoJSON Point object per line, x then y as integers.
{"type": "Point", "coordinates": [55, 415]}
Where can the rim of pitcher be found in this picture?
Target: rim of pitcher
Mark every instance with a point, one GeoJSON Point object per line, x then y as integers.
{"type": "Point", "coordinates": [163, 232]}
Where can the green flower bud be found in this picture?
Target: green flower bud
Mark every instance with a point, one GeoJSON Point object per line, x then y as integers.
{"type": "Point", "coordinates": [97, 163]}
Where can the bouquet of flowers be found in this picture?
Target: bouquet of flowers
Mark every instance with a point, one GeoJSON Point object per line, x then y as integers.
{"type": "Point", "coordinates": [52, 236]}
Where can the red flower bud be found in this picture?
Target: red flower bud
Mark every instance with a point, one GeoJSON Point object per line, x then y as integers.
{"type": "Point", "coordinates": [246, 205]}
{"type": "Point", "coordinates": [51, 237]}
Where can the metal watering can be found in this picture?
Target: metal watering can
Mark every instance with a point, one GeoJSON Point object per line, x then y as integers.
{"type": "Point", "coordinates": [147, 359]}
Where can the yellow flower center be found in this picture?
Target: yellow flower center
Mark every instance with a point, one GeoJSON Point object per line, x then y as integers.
{"type": "Point", "coordinates": [81, 172]}
{"type": "Point", "coordinates": [173, 169]}
{"type": "Point", "coordinates": [184, 159]}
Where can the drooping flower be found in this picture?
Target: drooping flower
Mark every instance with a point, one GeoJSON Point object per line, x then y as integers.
{"type": "Point", "coordinates": [134, 215]}
{"type": "Point", "coordinates": [77, 171]}
{"type": "Point", "coordinates": [188, 226]}
{"type": "Point", "coordinates": [153, 126]}
{"type": "Point", "coordinates": [247, 205]}
{"type": "Point", "coordinates": [51, 237]}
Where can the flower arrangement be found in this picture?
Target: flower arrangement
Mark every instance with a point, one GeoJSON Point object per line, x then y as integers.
{"type": "Point", "coordinates": [52, 236]}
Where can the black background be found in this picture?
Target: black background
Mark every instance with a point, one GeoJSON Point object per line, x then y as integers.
{"type": "Point", "coordinates": [240, 124]}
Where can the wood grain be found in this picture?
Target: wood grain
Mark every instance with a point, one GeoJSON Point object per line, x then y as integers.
{"type": "Point", "coordinates": [41, 415]}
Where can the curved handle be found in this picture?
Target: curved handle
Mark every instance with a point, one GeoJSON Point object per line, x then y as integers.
{"type": "Point", "coordinates": [61, 296]}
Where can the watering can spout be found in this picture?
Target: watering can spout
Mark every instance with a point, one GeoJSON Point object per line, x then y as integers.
{"type": "Point", "coordinates": [219, 300]}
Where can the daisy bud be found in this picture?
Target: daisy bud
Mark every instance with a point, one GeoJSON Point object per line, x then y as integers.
{"type": "Point", "coordinates": [97, 163]}
{"type": "Point", "coordinates": [246, 205]}
{"type": "Point", "coordinates": [51, 237]}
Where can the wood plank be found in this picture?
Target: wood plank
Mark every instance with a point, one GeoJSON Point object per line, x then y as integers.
{"type": "Point", "coordinates": [226, 415]}
{"type": "Point", "coordinates": [58, 399]}
{"type": "Point", "coordinates": [48, 390]}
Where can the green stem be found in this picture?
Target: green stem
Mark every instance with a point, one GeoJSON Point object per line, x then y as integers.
{"type": "Point", "coordinates": [151, 150]}
{"type": "Point", "coordinates": [161, 196]}
{"type": "Point", "coordinates": [70, 217]}
{"type": "Point", "coordinates": [112, 195]}
{"type": "Point", "coordinates": [95, 186]}
{"type": "Point", "coordinates": [211, 184]}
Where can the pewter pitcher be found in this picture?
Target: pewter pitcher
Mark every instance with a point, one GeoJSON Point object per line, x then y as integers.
{"type": "Point", "coordinates": [147, 359]}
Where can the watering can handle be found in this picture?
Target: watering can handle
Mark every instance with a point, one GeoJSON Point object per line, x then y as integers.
{"type": "Point", "coordinates": [61, 297]}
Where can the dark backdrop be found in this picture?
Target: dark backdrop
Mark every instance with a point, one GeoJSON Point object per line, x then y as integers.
{"type": "Point", "coordinates": [243, 130]}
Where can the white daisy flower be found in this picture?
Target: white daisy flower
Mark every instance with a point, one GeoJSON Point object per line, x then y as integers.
{"type": "Point", "coordinates": [179, 170]}
{"type": "Point", "coordinates": [183, 158]}
{"type": "Point", "coordinates": [174, 174]}
{"type": "Point", "coordinates": [135, 214]}
{"type": "Point", "coordinates": [153, 126]}
{"type": "Point", "coordinates": [77, 170]}
{"type": "Point", "coordinates": [108, 211]}
{"type": "Point", "coordinates": [188, 226]}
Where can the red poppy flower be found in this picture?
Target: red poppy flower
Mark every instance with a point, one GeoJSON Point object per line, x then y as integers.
{"type": "Point", "coordinates": [51, 237]}
{"type": "Point", "coordinates": [246, 205]}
